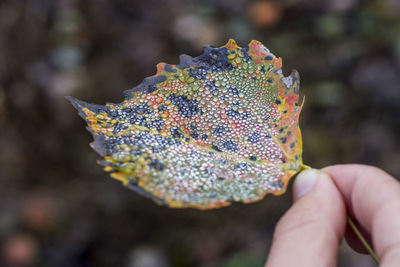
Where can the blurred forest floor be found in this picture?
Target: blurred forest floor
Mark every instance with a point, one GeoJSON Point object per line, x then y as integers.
{"type": "Point", "coordinates": [57, 206]}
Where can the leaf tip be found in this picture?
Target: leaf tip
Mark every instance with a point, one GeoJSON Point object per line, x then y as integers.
{"type": "Point", "coordinates": [78, 105]}
{"type": "Point", "coordinates": [254, 43]}
{"type": "Point", "coordinates": [231, 44]}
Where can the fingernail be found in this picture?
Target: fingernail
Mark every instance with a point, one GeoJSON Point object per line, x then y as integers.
{"type": "Point", "coordinates": [305, 182]}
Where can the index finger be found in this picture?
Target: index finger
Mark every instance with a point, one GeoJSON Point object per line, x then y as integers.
{"type": "Point", "coordinates": [373, 196]}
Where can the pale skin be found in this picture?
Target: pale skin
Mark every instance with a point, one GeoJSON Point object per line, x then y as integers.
{"type": "Point", "coordinates": [310, 232]}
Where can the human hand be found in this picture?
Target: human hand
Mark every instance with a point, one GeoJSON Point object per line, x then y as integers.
{"type": "Point", "coordinates": [310, 232]}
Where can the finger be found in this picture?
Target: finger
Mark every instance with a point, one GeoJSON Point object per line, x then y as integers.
{"type": "Point", "coordinates": [350, 236]}
{"type": "Point", "coordinates": [313, 227]}
{"type": "Point", "coordinates": [373, 196]}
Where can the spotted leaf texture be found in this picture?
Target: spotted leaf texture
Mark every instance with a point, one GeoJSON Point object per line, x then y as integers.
{"type": "Point", "coordinates": [217, 128]}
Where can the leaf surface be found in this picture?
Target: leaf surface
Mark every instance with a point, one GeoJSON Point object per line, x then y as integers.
{"type": "Point", "coordinates": [214, 129]}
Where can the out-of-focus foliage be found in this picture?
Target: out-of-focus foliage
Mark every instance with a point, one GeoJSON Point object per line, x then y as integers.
{"type": "Point", "coordinates": [56, 206]}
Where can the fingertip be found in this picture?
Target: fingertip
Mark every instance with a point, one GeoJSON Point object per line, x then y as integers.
{"type": "Point", "coordinates": [307, 181]}
{"type": "Point", "coordinates": [304, 182]}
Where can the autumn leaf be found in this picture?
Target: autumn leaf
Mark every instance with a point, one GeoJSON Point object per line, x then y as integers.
{"type": "Point", "coordinates": [217, 128]}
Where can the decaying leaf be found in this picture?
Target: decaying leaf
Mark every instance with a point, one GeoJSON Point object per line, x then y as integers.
{"type": "Point", "coordinates": [217, 128]}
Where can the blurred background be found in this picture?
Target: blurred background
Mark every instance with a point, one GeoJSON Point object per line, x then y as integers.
{"type": "Point", "coordinates": [57, 206]}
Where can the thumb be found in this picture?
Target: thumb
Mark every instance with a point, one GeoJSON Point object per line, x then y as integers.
{"type": "Point", "coordinates": [311, 230]}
